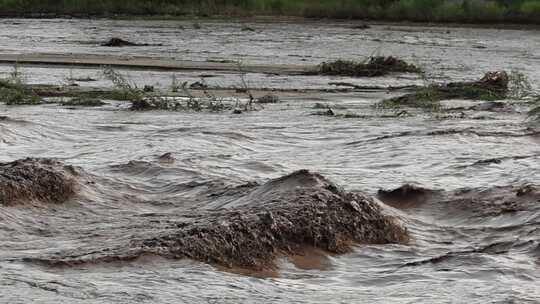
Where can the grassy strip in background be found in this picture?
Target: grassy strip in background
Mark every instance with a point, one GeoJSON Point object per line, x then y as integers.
{"type": "Point", "coordinates": [475, 11]}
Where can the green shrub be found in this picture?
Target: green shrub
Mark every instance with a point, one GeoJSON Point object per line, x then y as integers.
{"type": "Point", "coordinates": [531, 8]}
{"type": "Point", "coordinates": [412, 10]}
{"type": "Point", "coordinates": [450, 12]}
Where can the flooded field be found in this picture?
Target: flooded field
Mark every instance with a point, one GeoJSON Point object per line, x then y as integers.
{"type": "Point", "coordinates": [137, 199]}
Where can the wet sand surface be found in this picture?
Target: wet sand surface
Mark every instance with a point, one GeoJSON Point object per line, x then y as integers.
{"type": "Point", "coordinates": [473, 216]}
{"type": "Point", "coordinates": [90, 60]}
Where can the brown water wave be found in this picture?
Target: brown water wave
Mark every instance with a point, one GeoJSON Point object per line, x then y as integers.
{"type": "Point", "coordinates": [252, 227]}
{"type": "Point", "coordinates": [250, 230]}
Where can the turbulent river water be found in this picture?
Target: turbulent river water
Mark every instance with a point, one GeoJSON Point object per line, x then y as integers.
{"type": "Point", "coordinates": [473, 217]}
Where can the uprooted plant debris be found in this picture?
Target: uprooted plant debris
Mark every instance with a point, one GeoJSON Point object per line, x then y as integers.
{"type": "Point", "coordinates": [493, 86]}
{"type": "Point", "coordinates": [256, 224]}
{"type": "Point", "coordinates": [149, 103]}
{"type": "Point", "coordinates": [268, 98]}
{"type": "Point", "coordinates": [83, 102]}
{"type": "Point", "coordinates": [118, 42]}
{"type": "Point", "coordinates": [361, 26]}
{"type": "Point", "coordinates": [140, 99]}
{"type": "Point", "coordinates": [248, 29]}
{"type": "Point", "coordinates": [81, 79]}
{"type": "Point", "coordinates": [373, 67]}
{"type": "Point", "coordinates": [198, 85]}
{"type": "Point", "coordinates": [146, 100]}
{"type": "Point", "coordinates": [36, 180]}
{"type": "Point", "coordinates": [330, 112]}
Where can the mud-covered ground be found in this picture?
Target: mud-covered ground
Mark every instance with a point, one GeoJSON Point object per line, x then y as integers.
{"type": "Point", "coordinates": [134, 203]}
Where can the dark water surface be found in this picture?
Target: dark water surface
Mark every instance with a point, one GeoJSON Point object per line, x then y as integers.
{"type": "Point", "coordinates": [479, 245]}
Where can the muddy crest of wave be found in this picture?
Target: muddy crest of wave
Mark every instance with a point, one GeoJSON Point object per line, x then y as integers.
{"type": "Point", "coordinates": [247, 226]}
{"type": "Point", "coordinates": [36, 180]}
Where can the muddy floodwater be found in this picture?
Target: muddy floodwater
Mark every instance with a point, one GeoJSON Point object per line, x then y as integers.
{"type": "Point", "coordinates": [464, 183]}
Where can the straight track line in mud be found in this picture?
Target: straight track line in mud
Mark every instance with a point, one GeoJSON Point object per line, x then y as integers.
{"type": "Point", "coordinates": [148, 63]}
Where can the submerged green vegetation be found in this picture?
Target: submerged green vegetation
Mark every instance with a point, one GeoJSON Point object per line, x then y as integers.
{"type": "Point", "coordinates": [524, 11]}
{"type": "Point", "coordinates": [13, 90]}
{"type": "Point", "coordinates": [12, 93]}
{"type": "Point", "coordinates": [493, 86]}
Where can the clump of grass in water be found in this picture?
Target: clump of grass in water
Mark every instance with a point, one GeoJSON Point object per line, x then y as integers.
{"type": "Point", "coordinates": [534, 114]}
{"type": "Point", "coordinates": [371, 67]}
{"type": "Point", "coordinates": [523, 89]}
{"type": "Point", "coordinates": [128, 91]}
{"type": "Point", "coordinates": [13, 91]}
{"type": "Point", "coordinates": [493, 86]}
{"type": "Point", "coordinates": [427, 98]}
{"type": "Point", "coordinates": [83, 102]}
{"type": "Point", "coordinates": [124, 89]}
{"type": "Point", "coordinates": [145, 101]}
{"type": "Point", "coordinates": [17, 94]}
{"type": "Point", "coordinates": [248, 106]}
{"type": "Point", "coordinates": [519, 86]}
